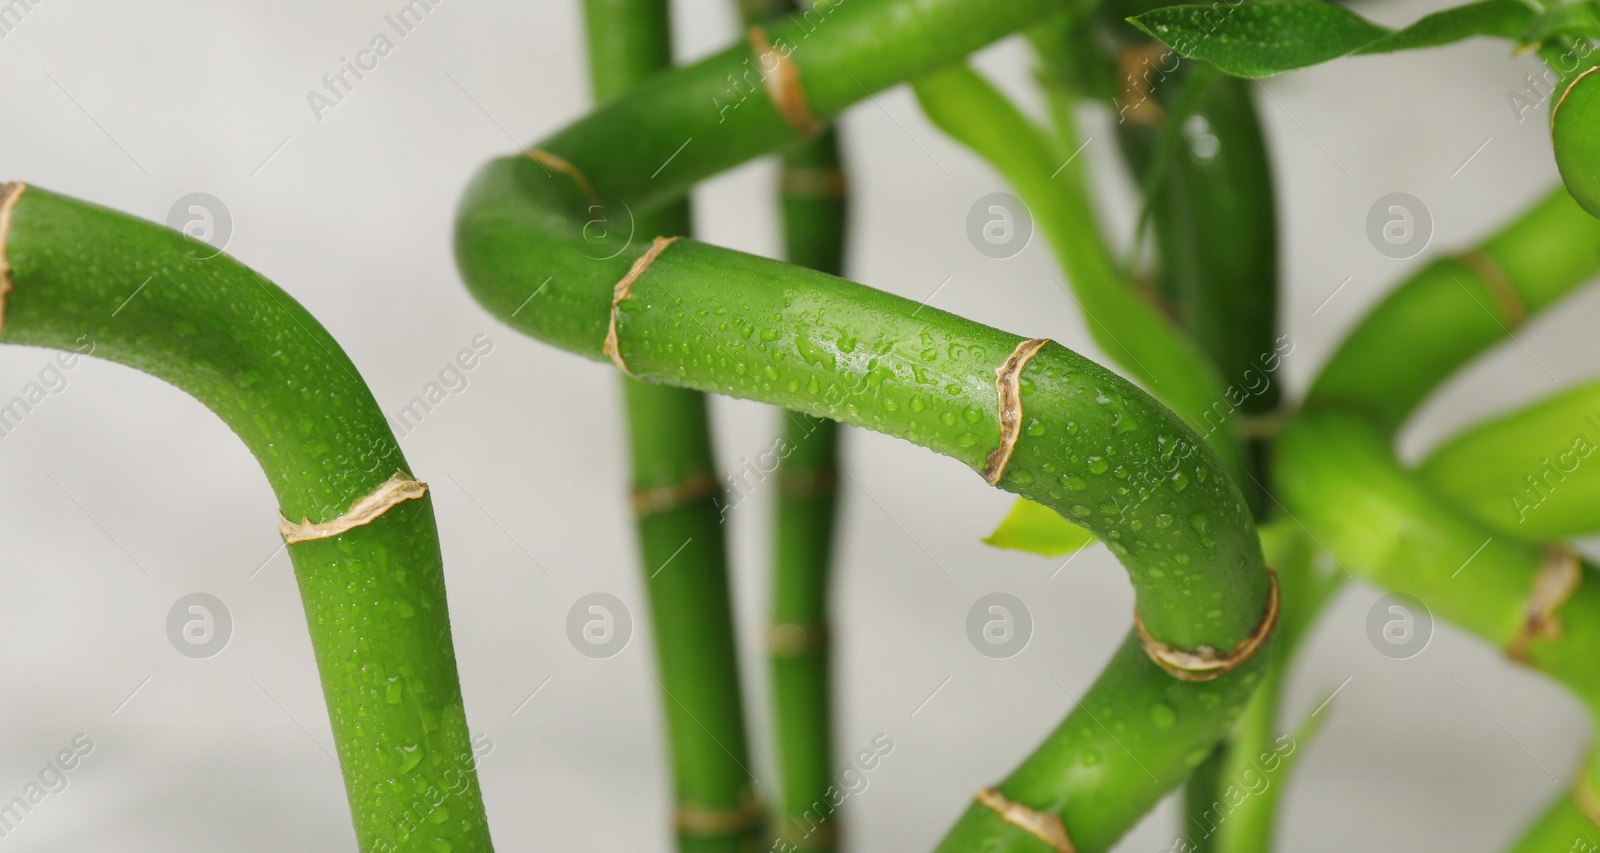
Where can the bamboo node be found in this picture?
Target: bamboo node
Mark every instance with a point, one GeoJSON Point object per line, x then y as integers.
{"type": "Point", "coordinates": [822, 835]}
{"type": "Point", "coordinates": [1499, 285]}
{"type": "Point", "coordinates": [1042, 825]}
{"type": "Point", "coordinates": [807, 182]}
{"type": "Point", "coordinates": [1584, 797]}
{"type": "Point", "coordinates": [1007, 382]}
{"type": "Point", "coordinates": [1559, 576]}
{"type": "Point", "coordinates": [1204, 663]}
{"type": "Point", "coordinates": [793, 639]}
{"type": "Point", "coordinates": [1265, 425]}
{"type": "Point", "coordinates": [662, 498]}
{"type": "Point", "coordinates": [690, 819]}
{"type": "Point", "coordinates": [808, 483]}
{"type": "Point", "coordinates": [10, 192]}
{"type": "Point", "coordinates": [557, 163]}
{"type": "Point", "coordinates": [625, 287]}
{"type": "Point", "coordinates": [1136, 100]}
{"type": "Point", "coordinates": [781, 77]}
{"type": "Point", "coordinates": [395, 490]}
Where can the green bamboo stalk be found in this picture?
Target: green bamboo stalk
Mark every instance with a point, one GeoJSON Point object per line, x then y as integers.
{"type": "Point", "coordinates": [681, 538]}
{"type": "Point", "coordinates": [814, 210]}
{"type": "Point", "coordinates": [1341, 479]}
{"type": "Point", "coordinates": [1236, 809]}
{"type": "Point", "coordinates": [374, 595]}
{"type": "Point", "coordinates": [1339, 473]}
{"type": "Point", "coordinates": [1128, 329]}
{"type": "Point", "coordinates": [813, 200]}
{"type": "Point", "coordinates": [1571, 823]}
{"type": "Point", "coordinates": [1527, 472]}
{"type": "Point", "coordinates": [1455, 308]}
{"type": "Point", "coordinates": [1089, 444]}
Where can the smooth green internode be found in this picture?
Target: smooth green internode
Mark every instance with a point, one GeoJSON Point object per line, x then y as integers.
{"type": "Point", "coordinates": [1575, 134]}
{"type": "Point", "coordinates": [1089, 444]}
{"type": "Point", "coordinates": [374, 596]}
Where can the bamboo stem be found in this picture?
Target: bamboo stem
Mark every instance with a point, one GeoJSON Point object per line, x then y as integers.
{"type": "Point", "coordinates": [1129, 330]}
{"type": "Point", "coordinates": [1456, 308]}
{"type": "Point", "coordinates": [717, 320]}
{"type": "Point", "coordinates": [681, 538]}
{"type": "Point", "coordinates": [374, 593]}
{"type": "Point", "coordinates": [1527, 473]}
{"type": "Point", "coordinates": [814, 200]}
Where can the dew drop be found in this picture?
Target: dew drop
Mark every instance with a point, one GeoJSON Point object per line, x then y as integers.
{"type": "Point", "coordinates": [1163, 716]}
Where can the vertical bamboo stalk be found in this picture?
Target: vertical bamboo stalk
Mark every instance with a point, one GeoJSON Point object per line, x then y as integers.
{"type": "Point", "coordinates": [813, 200]}
{"type": "Point", "coordinates": [814, 210]}
{"type": "Point", "coordinates": [683, 550]}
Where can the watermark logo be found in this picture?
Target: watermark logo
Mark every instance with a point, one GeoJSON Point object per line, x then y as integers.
{"type": "Point", "coordinates": [999, 226]}
{"type": "Point", "coordinates": [199, 625]}
{"type": "Point", "coordinates": [452, 380]}
{"type": "Point", "coordinates": [999, 625]}
{"type": "Point", "coordinates": [205, 220]}
{"type": "Point", "coordinates": [606, 232]}
{"type": "Point", "coordinates": [1399, 626]}
{"type": "Point", "coordinates": [599, 625]}
{"type": "Point", "coordinates": [1399, 226]}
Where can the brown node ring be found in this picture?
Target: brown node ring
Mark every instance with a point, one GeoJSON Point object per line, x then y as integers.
{"type": "Point", "coordinates": [710, 821]}
{"type": "Point", "coordinates": [621, 292]}
{"type": "Point", "coordinates": [1499, 285]}
{"type": "Point", "coordinates": [808, 483]}
{"type": "Point", "coordinates": [9, 194]}
{"type": "Point", "coordinates": [662, 498]}
{"type": "Point", "coordinates": [1007, 385]}
{"type": "Point", "coordinates": [1042, 825]}
{"type": "Point", "coordinates": [396, 490]}
{"type": "Point", "coordinates": [1559, 576]}
{"type": "Point", "coordinates": [808, 182]}
{"type": "Point", "coordinates": [557, 163]}
{"type": "Point", "coordinates": [792, 639]}
{"type": "Point", "coordinates": [1204, 663]}
{"type": "Point", "coordinates": [782, 80]}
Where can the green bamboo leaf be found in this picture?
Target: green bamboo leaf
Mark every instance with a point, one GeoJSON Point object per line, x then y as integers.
{"type": "Point", "coordinates": [1572, 19]}
{"type": "Point", "coordinates": [1506, 19]}
{"type": "Point", "coordinates": [1262, 39]}
{"type": "Point", "coordinates": [1037, 529]}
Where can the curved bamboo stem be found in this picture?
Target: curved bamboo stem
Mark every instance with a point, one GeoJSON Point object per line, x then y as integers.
{"type": "Point", "coordinates": [1529, 472]}
{"type": "Point", "coordinates": [1456, 308]}
{"type": "Point", "coordinates": [374, 593]}
{"type": "Point", "coordinates": [1080, 439]}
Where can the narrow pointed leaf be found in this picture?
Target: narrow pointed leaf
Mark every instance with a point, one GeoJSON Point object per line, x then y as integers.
{"type": "Point", "coordinates": [1262, 39]}
{"type": "Point", "coordinates": [1506, 19]}
{"type": "Point", "coordinates": [1037, 529]}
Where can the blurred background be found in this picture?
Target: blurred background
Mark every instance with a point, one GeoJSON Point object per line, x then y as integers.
{"type": "Point", "coordinates": [120, 496]}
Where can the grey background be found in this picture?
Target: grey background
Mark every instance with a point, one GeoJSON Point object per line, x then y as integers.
{"type": "Point", "coordinates": [121, 495]}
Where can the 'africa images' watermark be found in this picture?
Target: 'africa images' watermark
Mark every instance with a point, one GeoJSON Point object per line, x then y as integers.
{"type": "Point", "coordinates": [52, 779]}
{"type": "Point", "coordinates": [742, 84]}
{"type": "Point", "coordinates": [337, 85]}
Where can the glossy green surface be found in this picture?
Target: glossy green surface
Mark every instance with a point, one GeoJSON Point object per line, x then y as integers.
{"type": "Point", "coordinates": [1575, 134]}
{"type": "Point", "coordinates": [1530, 473]}
{"type": "Point", "coordinates": [1447, 313]}
{"type": "Point", "coordinates": [1093, 446]}
{"type": "Point", "coordinates": [374, 596]}
{"type": "Point", "coordinates": [683, 550]}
